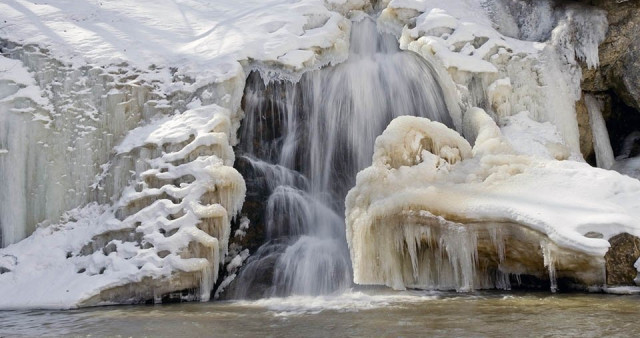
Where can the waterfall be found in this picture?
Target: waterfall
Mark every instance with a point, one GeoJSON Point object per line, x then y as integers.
{"type": "Point", "coordinates": [304, 143]}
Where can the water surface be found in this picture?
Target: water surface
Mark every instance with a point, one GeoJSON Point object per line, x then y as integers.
{"type": "Point", "coordinates": [357, 313]}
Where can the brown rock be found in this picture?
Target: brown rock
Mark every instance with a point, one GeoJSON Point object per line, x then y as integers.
{"type": "Point", "coordinates": [624, 251]}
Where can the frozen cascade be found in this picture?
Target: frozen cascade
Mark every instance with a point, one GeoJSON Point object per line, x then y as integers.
{"type": "Point", "coordinates": [321, 134]}
{"type": "Point", "coordinates": [131, 189]}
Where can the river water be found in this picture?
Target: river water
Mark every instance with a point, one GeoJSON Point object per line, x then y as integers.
{"type": "Point", "coordinates": [368, 313]}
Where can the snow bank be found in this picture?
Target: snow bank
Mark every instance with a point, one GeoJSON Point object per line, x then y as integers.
{"type": "Point", "coordinates": [454, 217]}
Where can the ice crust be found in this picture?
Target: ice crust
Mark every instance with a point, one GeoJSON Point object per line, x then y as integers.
{"type": "Point", "coordinates": [203, 40]}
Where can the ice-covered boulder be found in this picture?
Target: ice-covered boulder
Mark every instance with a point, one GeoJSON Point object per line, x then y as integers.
{"type": "Point", "coordinates": [432, 212]}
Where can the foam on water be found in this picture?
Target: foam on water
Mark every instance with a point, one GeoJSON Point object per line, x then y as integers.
{"type": "Point", "coordinates": [350, 301]}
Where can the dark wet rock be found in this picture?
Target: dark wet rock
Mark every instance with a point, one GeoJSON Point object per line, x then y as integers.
{"type": "Point", "coordinates": [255, 279]}
{"type": "Point", "coordinates": [619, 261]}
{"type": "Point", "coordinates": [586, 135]}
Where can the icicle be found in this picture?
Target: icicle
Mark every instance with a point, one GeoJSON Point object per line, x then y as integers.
{"type": "Point", "coordinates": [549, 263]}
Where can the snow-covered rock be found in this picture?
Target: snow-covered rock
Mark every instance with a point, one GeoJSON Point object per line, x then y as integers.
{"type": "Point", "coordinates": [433, 212]}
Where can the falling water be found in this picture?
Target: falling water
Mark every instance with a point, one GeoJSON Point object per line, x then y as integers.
{"type": "Point", "coordinates": [306, 141]}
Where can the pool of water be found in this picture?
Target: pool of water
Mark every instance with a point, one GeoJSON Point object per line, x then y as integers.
{"type": "Point", "coordinates": [358, 313]}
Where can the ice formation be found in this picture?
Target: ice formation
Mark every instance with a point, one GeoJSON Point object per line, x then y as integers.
{"type": "Point", "coordinates": [308, 140]}
{"type": "Point", "coordinates": [168, 231]}
{"type": "Point", "coordinates": [477, 215]}
{"type": "Point", "coordinates": [601, 142]}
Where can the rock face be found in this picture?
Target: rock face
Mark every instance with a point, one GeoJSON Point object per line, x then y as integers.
{"type": "Point", "coordinates": [586, 135]}
{"type": "Point", "coordinates": [624, 251]}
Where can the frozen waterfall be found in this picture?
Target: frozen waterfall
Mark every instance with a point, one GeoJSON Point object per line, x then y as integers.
{"type": "Point", "coordinates": [308, 140]}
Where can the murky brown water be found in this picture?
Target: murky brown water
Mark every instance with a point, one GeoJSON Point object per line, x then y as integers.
{"type": "Point", "coordinates": [486, 314]}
